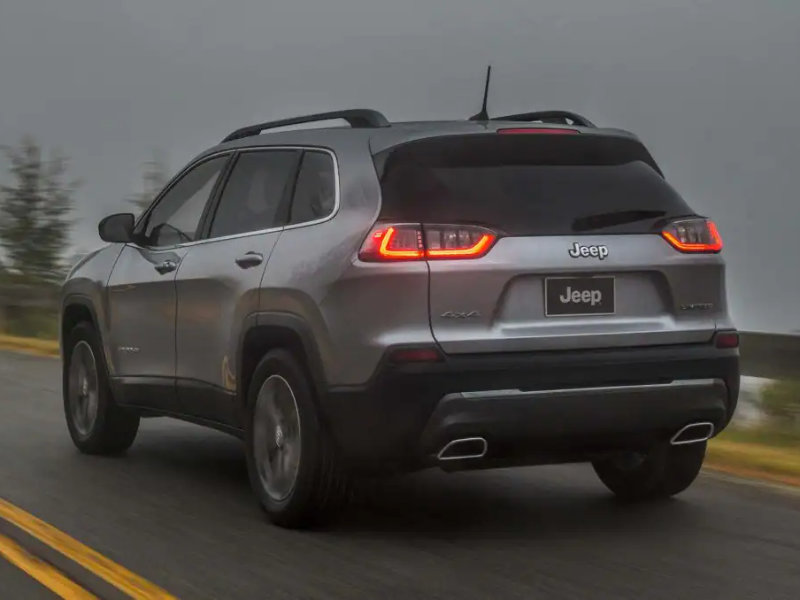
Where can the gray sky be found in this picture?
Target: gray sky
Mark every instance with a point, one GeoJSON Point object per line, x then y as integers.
{"type": "Point", "coordinates": [711, 86]}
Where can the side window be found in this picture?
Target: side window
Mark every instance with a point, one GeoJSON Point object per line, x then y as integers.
{"type": "Point", "coordinates": [254, 198]}
{"type": "Point", "coordinates": [176, 217]}
{"type": "Point", "coordinates": [315, 192]}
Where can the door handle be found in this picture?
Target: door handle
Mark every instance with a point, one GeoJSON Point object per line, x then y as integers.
{"type": "Point", "coordinates": [251, 259]}
{"type": "Point", "coordinates": [166, 267]}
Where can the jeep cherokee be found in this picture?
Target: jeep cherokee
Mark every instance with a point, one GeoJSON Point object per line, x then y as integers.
{"type": "Point", "coordinates": [386, 297]}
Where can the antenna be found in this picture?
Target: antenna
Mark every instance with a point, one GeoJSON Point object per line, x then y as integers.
{"type": "Point", "coordinates": [483, 115]}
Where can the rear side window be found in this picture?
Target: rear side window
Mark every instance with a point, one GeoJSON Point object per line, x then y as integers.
{"type": "Point", "coordinates": [528, 184]}
{"type": "Point", "coordinates": [255, 196]}
{"type": "Point", "coordinates": [315, 192]}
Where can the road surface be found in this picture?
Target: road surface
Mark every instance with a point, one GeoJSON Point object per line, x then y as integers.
{"type": "Point", "coordinates": [177, 511]}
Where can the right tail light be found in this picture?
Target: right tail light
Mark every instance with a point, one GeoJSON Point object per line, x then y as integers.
{"type": "Point", "coordinates": [693, 235]}
{"type": "Point", "coordinates": [413, 241]}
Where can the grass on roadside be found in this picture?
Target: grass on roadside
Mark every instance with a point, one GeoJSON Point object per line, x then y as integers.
{"type": "Point", "coordinates": [29, 345]}
{"type": "Point", "coordinates": [768, 453]}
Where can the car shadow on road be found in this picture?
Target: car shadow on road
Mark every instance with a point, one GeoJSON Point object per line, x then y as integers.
{"type": "Point", "coordinates": [538, 502]}
{"type": "Point", "coordinates": [527, 503]}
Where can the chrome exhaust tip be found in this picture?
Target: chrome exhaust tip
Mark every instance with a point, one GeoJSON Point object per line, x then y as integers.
{"type": "Point", "coordinates": [693, 433]}
{"type": "Point", "coordinates": [463, 449]}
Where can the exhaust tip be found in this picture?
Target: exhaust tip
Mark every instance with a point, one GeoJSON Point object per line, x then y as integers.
{"type": "Point", "coordinates": [693, 433]}
{"type": "Point", "coordinates": [463, 448]}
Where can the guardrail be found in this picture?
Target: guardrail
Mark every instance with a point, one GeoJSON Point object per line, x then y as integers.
{"type": "Point", "coordinates": [770, 355]}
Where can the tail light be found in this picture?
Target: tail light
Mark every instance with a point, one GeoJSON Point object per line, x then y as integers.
{"type": "Point", "coordinates": [387, 242]}
{"type": "Point", "coordinates": [693, 235]}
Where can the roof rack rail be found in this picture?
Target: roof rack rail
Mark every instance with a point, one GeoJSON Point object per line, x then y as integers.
{"type": "Point", "coordinates": [357, 117]}
{"type": "Point", "coordinates": [560, 117]}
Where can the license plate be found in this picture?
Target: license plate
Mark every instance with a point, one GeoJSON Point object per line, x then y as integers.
{"type": "Point", "coordinates": [567, 296]}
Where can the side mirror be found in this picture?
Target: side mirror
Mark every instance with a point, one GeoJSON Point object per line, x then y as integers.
{"type": "Point", "coordinates": [117, 228]}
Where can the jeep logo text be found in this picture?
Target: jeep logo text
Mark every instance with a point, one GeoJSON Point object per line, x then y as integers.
{"type": "Point", "coordinates": [590, 297]}
{"type": "Point", "coordinates": [599, 251]}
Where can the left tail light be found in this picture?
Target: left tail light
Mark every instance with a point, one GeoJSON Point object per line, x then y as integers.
{"type": "Point", "coordinates": [693, 235]}
{"type": "Point", "coordinates": [413, 241]}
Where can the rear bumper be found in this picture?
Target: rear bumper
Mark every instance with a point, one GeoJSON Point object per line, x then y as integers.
{"type": "Point", "coordinates": [533, 407]}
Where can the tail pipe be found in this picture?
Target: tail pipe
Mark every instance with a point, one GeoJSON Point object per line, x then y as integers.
{"type": "Point", "coordinates": [463, 449]}
{"type": "Point", "coordinates": [693, 433]}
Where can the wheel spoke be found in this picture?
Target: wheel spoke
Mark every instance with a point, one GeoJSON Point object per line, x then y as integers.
{"type": "Point", "coordinates": [83, 389]}
{"type": "Point", "coordinates": [276, 437]}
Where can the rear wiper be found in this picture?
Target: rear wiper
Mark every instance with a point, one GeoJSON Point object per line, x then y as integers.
{"type": "Point", "coordinates": [610, 219]}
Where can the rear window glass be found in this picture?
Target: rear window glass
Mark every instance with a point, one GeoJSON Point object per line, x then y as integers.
{"type": "Point", "coordinates": [315, 191]}
{"type": "Point", "coordinates": [528, 185]}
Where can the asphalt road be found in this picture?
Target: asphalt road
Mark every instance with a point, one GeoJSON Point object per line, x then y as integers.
{"type": "Point", "coordinates": [177, 510]}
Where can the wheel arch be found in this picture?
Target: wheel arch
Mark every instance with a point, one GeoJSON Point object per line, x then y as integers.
{"type": "Point", "coordinates": [76, 309]}
{"type": "Point", "coordinates": [263, 332]}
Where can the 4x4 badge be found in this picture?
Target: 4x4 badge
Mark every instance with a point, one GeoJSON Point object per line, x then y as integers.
{"type": "Point", "coordinates": [451, 314]}
{"type": "Point", "coordinates": [598, 251]}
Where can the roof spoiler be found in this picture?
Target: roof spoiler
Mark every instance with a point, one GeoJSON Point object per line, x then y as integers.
{"type": "Point", "coordinates": [560, 117]}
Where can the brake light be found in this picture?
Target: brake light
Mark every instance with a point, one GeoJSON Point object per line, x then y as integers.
{"type": "Point", "coordinates": [388, 242]}
{"type": "Point", "coordinates": [399, 243]}
{"type": "Point", "coordinates": [543, 130]}
{"type": "Point", "coordinates": [693, 235]}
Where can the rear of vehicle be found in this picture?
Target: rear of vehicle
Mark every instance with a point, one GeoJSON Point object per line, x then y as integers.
{"type": "Point", "coordinates": [576, 305]}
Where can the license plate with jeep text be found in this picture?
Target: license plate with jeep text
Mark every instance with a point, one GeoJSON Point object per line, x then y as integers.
{"type": "Point", "coordinates": [567, 296]}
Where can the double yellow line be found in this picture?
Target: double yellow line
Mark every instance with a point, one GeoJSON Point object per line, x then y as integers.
{"type": "Point", "coordinates": [121, 578]}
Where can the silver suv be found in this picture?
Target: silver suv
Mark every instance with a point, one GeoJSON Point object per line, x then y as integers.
{"type": "Point", "coordinates": [390, 296]}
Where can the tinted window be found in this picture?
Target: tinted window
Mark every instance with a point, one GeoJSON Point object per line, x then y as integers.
{"type": "Point", "coordinates": [254, 198]}
{"type": "Point", "coordinates": [315, 192]}
{"type": "Point", "coordinates": [176, 217]}
{"type": "Point", "coordinates": [529, 184]}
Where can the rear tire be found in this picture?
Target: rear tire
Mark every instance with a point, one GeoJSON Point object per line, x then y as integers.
{"type": "Point", "coordinates": [664, 471]}
{"type": "Point", "coordinates": [292, 462]}
{"type": "Point", "coordinates": [96, 424]}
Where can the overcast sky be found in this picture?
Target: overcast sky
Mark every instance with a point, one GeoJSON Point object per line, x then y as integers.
{"type": "Point", "coordinates": [711, 86]}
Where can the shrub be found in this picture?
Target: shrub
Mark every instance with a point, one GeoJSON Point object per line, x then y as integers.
{"type": "Point", "coordinates": [780, 401]}
{"type": "Point", "coordinates": [32, 322]}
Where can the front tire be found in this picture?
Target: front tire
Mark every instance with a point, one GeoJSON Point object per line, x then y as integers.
{"type": "Point", "coordinates": [96, 424]}
{"type": "Point", "coordinates": [660, 473]}
{"type": "Point", "coordinates": [292, 462]}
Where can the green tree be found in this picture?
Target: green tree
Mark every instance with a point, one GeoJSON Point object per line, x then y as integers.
{"type": "Point", "coordinates": [155, 176]}
{"type": "Point", "coordinates": [34, 210]}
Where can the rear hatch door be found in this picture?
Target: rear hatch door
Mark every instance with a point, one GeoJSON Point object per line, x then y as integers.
{"type": "Point", "coordinates": [579, 261]}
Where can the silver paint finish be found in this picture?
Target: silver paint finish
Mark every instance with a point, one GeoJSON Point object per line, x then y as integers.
{"type": "Point", "coordinates": [506, 287]}
{"type": "Point", "coordinates": [702, 386]}
{"type": "Point", "coordinates": [214, 296]}
{"type": "Point", "coordinates": [86, 285]}
{"type": "Point", "coordinates": [141, 312]}
{"type": "Point", "coordinates": [356, 310]}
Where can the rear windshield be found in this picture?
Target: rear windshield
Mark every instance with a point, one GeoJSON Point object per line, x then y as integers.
{"type": "Point", "coordinates": [528, 184]}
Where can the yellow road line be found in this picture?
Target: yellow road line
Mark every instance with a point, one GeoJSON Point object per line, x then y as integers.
{"type": "Point", "coordinates": [42, 572]}
{"type": "Point", "coordinates": [121, 578]}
